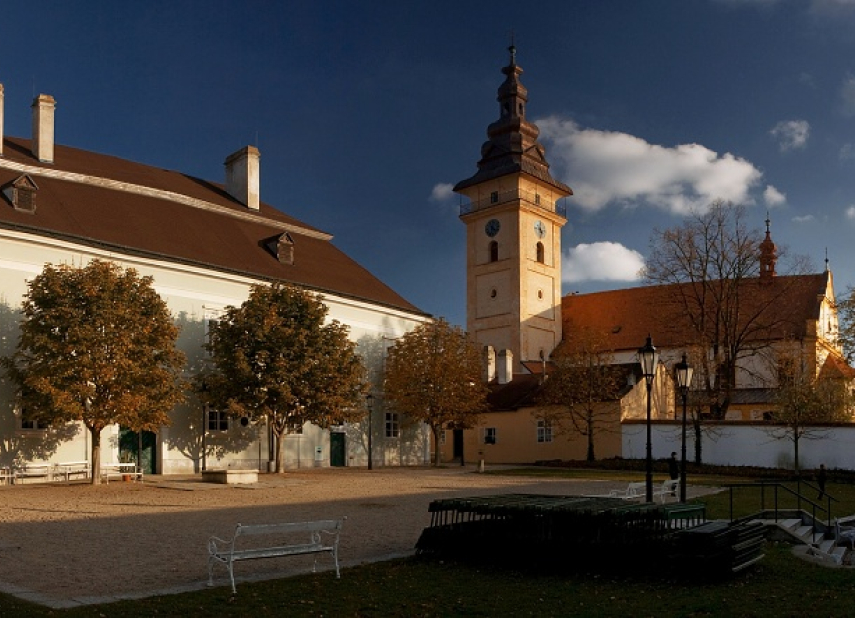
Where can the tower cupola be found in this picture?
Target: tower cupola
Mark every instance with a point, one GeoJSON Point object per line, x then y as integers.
{"type": "Point", "coordinates": [768, 255]}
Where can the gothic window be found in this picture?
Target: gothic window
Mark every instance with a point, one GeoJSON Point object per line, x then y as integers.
{"type": "Point", "coordinates": [494, 251]}
{"type": "Point", "coordinates": [540, 257]}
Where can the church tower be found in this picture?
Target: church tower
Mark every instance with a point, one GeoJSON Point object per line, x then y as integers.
{"type": "Point", "coordinates": [513, 235]}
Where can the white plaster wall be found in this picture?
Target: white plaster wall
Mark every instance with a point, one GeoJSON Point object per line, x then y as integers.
{"type": "Point", "coordinates": [193, 295]}
{"type": "Point", "coordinates": [743, 445]}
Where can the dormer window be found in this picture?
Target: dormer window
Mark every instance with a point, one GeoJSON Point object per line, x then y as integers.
{"type": "Point", "coordinates": [21, 193]}
{"type": "Point", "coordinates": [282, 248]}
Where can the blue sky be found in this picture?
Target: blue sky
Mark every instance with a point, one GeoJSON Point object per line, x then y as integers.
{"type": "Point", "coordinates": [366, 112]}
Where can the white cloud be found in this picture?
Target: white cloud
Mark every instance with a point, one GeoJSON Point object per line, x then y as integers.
{"type": "Point", "coordinates": [791, 134]}
{"type": "Point", "coordinates": [607, 166]}
{"type": "Point", "coordinates": [804, 219]}
{"type": "Point", "coordinates": [847, 95]}
{"type": "Point", "coordinates": [847, 153]}
{"type": "Point", "coordinates": [773, 197]}
{"type": "Point", "coordinates": [441, 192]}
{"type": "Point", "coordinates": [601, 261]}
{"type": "Point", "coordinates": [850, 213]}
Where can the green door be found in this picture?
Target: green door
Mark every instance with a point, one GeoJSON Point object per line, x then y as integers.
{"type": "Point", "coordinates": [337, 449]}
{"type": "Point", "coordinates": [129, 449]}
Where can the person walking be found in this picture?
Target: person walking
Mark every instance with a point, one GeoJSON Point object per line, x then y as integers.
{"type": "Point", "coordinates": [820, 481]}
{"type": "Point", "coordinates": [673, 467]}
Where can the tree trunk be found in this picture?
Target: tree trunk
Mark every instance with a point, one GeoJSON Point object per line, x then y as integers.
{"type": "Point", "coordinates": [95, 477]}
{"type": "Point", "coordinates": [796, 445]}
{"type": "Point", "coordinates": [280, 447]}
{"type": "Point", "coordinates": [437, 450]}
{"type": "Point", "coordinates": [590, 436]}
{"type": "Point", "coordinates": [698, 446]}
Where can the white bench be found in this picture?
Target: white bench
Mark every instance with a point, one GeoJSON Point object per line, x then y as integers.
{"type": "Point", "coordinates": [634, 491]}
{"type": "Point", "coordinates": [638, 491]}
{"type": "Point", "coordinates": [668, 488]}
{"type": "Point", "coordinates": [292, 539]}
{"type": "Point", "coordinates": [120, 470]}
{"type": "Point", "coordinates": [67, 469]}
{"type": "Point", "coordinates": [33, 470]}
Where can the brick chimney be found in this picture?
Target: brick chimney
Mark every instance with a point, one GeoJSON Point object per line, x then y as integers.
{"type": "Point", "coordinates": [505, 366]}
{"type": "Point", "coordinates": [43, 114]}
{"type": "Point", "coordinates": [489, 363]}
{"type": "Point", "coordinates": [242, 176]}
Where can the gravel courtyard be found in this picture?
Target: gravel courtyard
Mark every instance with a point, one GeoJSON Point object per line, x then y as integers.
{"type": "Point", "coordinates": [64, 545]}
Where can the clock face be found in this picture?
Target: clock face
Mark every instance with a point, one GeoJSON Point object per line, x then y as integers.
{"type": "Point", "coordinates": [540, 229]}
{"type": "Point", "coordinates": [492, 227]}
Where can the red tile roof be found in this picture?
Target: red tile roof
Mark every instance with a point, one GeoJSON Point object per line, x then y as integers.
{"type": "Point", "coordinates": [213, 231]}
{"type": "Point", "coordinates": [627, 316]}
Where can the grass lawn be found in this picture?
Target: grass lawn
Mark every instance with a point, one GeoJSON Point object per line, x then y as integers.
{"type": "Point", "coordinates": [780, 585]}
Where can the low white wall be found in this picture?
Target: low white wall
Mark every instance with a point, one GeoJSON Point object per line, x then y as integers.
{"type": "Point", "coordinates": [744, 445]}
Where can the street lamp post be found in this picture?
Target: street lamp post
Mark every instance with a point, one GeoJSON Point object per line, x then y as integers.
{"type": "Point", "coordinates": [648, 357]}
{"type": "Point", "coordinates": [684, 380]}
{"type": "Point", "coordinates": [369, 403]}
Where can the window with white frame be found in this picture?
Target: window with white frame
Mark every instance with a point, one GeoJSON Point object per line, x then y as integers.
{"type": "Point", "coordinates": [489, 435]}
{"type": "Point", "coordinates": [28, 424]}
{"type": "Point", "coordinates": [218, 420]}
{"type": "Point", "coordinates": [544, 431]}
{"type": "Point", "coordinates": [393, 429]}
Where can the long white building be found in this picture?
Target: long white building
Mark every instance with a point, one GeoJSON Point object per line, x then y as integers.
{"type": "Point", "coordinates": [204, 243]}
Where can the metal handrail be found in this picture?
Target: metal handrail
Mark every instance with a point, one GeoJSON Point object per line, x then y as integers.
{"type": "Point", "coordinates": [503, 197]}
{"type": "Point", "coordinates": [798, 495]}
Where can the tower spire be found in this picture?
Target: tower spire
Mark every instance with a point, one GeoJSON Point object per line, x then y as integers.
{"type": "Point", "coordinates": [768, 255]}
{"type": "Point", "coordinates": [512, 145]}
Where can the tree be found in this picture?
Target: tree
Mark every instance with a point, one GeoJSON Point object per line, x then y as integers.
{"type": "Point", "coordinates": [97, 345]}
{"type": "Point", "coordinates": [581, 378]}
{"type": "Point", "coordinates": [275, 359]}
{"type": "Point", "coordinates": [433, 375]}
{"type": "Point", "coordinates": [805, 401]}
{"type": "Point", "coordinates": [712, 263]}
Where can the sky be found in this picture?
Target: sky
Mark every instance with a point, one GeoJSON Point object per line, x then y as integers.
{"type": "Point", "coordinates": [367, 113]}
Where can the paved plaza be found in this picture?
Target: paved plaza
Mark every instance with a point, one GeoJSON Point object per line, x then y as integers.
{"type": "Point", "coordinates": [64, 545]}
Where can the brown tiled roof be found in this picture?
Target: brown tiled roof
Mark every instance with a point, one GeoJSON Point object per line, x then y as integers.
{"type": "Point", "coordinates": [227, 237]}
{"type": "Point", "coordinates": [627, 316]}
{"type": "Point", "coordinates": [521, 392]}
{"type": "Point", "coordinates": [836, 367]}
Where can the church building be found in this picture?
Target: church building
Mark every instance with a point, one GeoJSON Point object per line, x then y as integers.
{"type": "Point", "coordinates": [516, 314]}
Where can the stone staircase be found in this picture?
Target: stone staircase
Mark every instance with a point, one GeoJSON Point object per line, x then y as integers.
{"type": "Point", "coordinates": [818, 545]}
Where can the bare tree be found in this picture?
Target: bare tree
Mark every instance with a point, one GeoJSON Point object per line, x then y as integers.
{"type": "Point", "coordinates": [581, 378]}
{"type": "Point", "coordinates": [806, 402]}
{"type": "Point", "coordinates": [712, 264]}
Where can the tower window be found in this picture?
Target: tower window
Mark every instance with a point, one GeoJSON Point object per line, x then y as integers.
{"type": "Point", "coordinates": [494, 197]}
{"type": "Point", "coordinates": [494, 251]}
{"type": "Point", "coordinates": [540, 257]}
{"type": "Point", "coordinates": [537, 199]}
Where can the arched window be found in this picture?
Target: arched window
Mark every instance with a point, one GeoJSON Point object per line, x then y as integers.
{"type": "Point", "coordinates": [540, 257]}
{"type": "Point", "coordinates": [494, 251]}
